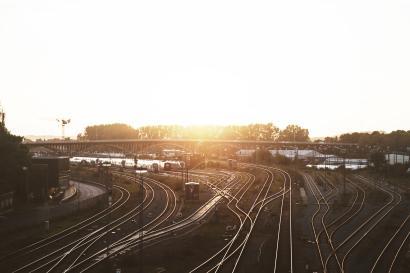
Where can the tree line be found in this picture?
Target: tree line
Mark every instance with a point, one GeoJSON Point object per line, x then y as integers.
{"type": "Point", "coordinates": [256, 131]}
{"type": "Point", "coordinates": [398, 140]}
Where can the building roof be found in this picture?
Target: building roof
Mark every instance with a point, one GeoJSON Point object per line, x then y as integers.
{"type": "Point", "coordinates": [299, 153]}
{"type": "Point", "coordinates": [51, 157]}
{"type": "Point", "coordinates": [191, 183]}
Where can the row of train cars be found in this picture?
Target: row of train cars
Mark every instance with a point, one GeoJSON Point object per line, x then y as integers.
{"type": "Point", "coordinates": [152, 165]}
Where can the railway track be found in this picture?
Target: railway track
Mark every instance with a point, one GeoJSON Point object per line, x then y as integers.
{"type": "Point", "coordinates": [62, 240]}
{"type": "Point", "coordinates": [229, 257]}
{"type": "Point", "coordinates": [397, 253]}
{"type": "Point", "coordinates": [342, 250]}
{"type": "Point", "coordinates": [152, 236]}
{"type": "Point", "coordinates": [340, 235]}
{"type": "Point", "coordinates": [46, 256]}
{"type": "Point", "coordinates": [375, 221]}
{"type": "Point", "coordinates": [324, 245]}
{"type": "Point", "coordinates": [400, 235]}
{"type": "Point", "coordinates": [238, 241]}
{"type": "Point", "coordinates": [285, 249]}
{"type": "Point", "coordinates": [72, 230]}
{"type": "Point", "coordinates": [52, 260]}
{"type": "Point", "coordinates": [163, 215]}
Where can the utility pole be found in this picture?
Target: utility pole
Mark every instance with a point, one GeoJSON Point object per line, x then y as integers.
{"type": "Point", "coordinates": [344, 174]}
{"type": "Point", "coordinates": [107, 181]}
{"type": "Point", "coordinates": [142, 223]}
{"type": "Point", "coordinates": [141, 171]}
{"type": "Point", "coordinates": [294, 152]}
{"type": "Point", "coordinates": [343, 153]}
{"type": "Point", "coordinates": [186, 168]}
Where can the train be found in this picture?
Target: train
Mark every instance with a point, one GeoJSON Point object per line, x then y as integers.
{"type": "Point", "coordinates": [154, 166]}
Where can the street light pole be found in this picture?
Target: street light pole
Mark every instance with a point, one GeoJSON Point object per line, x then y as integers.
{"type": "Point", "coordinates": [25, 170]}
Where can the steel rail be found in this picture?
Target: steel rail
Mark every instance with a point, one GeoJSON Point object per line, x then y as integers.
{"type": "Point", "coordinates": [388, 244]}
{"type": "Point", "coordinates": [91, 242]}
{"type": "Point", "coordinates": [165, 188]}
{"type": "Point", "coordinates": [103, 228]}
{"type": "Point", "coordinates": [377, 221]}
{"type": "Point", "coordinates": [130, 243]}
{"type": "Point", "coordinates": [61, 235]}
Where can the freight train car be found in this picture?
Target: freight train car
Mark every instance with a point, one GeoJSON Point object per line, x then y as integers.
{"type": "Point", "coordinates": [167, 166]}
{"type": "Point", "coordinates": [192, 191]}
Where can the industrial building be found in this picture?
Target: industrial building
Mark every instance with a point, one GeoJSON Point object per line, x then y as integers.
{"type": "Point", "coordinates": [47, 177]}
{"type": "Point", "coordinates": [299, 154]}
{"type": "Point", "coordinates": [291, 153]}
{"type": "Point", "coordinates": [58, 170]}
{"type": "Point", "coordinates": [396, 158]}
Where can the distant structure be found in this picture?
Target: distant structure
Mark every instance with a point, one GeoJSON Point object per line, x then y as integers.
{"type": "Point", "coordinates": [63, 123]}
{"type": "Point", "coordinates": [303, 154]}
{"type": "Point", "coordinates": [397, 158]}
{"type": "Point", "coordinates": [2, 117]}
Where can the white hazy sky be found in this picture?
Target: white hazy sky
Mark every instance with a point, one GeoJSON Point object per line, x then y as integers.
{"type": "Point", "coordinates": [331, 66]}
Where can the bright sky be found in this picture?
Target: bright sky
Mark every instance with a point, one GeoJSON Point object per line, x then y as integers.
{"type": "Point", "coordinates": [331, 66]}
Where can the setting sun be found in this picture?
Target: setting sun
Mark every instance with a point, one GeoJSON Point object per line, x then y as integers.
{"type": "Point", "coordinates": [147, 65]}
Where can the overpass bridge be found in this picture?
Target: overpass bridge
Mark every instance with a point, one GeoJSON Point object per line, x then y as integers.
{"type": "Point", "coordinates": [139, 146]}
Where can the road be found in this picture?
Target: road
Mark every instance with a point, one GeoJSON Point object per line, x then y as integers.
{"type": "Point", "coordinates": [86, 191]}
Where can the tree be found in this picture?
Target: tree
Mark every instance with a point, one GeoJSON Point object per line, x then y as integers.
{"type": "Point", "coordinates": [294, 133]}
{"type": "Point", "coordinates": [13, 156]}
{"type": "Point", "coordinates": [330, 139]}
{"type": "Point", "coordinates": [378, 159]}
{"type": "Point", "coordinates": [281, 159]}
{"type": "Point", "coordinates": [262, 155]}
{"type": "Point", "coordinates": [109, 131]}
{"type": "Point", "coordinates": [397, 140]}
{"type": "Point", "coordinates": [122, 131]}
